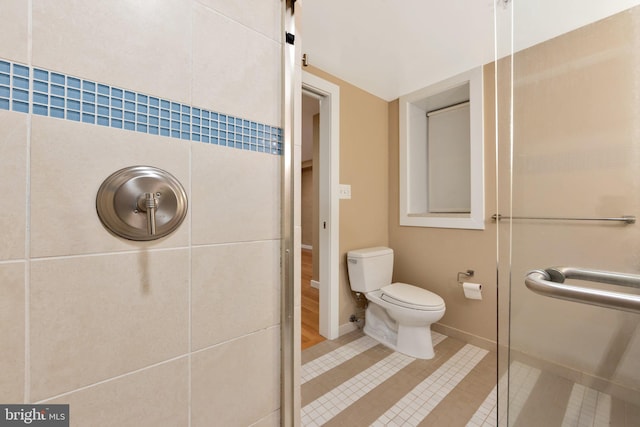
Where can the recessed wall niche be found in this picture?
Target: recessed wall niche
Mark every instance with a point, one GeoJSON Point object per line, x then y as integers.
{"type": "Point", "coordinates": [441, 154]}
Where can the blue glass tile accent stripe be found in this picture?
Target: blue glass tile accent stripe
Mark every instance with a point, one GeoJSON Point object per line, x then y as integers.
{"type": "Point", "coordinates": [53, 94]}
{"type": "Point", "coordinates": [14, 87]}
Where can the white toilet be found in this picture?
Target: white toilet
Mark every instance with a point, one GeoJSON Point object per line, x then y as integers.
{"type": "Point", "coordinates": [398, 315]}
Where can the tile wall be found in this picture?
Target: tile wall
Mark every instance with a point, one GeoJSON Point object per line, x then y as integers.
{"type": "Point", "coordinates": [180, 331]}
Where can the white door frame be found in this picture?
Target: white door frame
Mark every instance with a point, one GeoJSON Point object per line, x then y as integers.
{"type": "Point", "coordinates": [328, 218]}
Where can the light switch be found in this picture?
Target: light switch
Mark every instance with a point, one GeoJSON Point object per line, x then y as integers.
{"type": "Point", "coordinates": [345, 191]}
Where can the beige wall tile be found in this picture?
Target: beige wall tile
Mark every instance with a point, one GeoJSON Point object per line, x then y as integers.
{"type": "Point", "coordinates": [140, 45]}
{"type": "Point", "coordinates": [158, 396]}
{"type": "Point", "coordinates": [236, 71]}
{"type": "Point", "coordinates": [235, 291]}
{"type": "Point", "coordinates": [262, 16]}
{"type": "Point", "coordinates": [575, 123]}
{"type": "Point", "coordinates": [69, 162]}
{"type": "Point", "coordinates": [96, 317]}
{"type": "Point", "coordinates": [242, 206]}
{"type": "Point", "coordinates": [236, 383]}
{"type": "Point", "coordinates": [12, 332]}
{"type": "Point", "coordinates": [15, 30]}
{"type": "Point", "coordinates": [13, 183]}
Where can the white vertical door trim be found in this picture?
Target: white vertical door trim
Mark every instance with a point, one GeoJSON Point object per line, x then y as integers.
{"type": "Point", "coordinates": [329, 237]}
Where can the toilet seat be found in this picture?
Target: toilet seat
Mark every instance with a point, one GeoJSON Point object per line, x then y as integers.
{"type": "Point", "coordinates": [413, 297]}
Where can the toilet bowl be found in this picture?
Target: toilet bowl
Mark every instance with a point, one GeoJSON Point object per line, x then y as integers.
{"type": "Point", "coordinates": [398, 315]}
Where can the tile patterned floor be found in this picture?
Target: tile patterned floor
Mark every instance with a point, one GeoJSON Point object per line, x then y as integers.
{"type": "Point", "coordinates": [354, 381]}
{"type": "Point", "coordinates": [360, 382]}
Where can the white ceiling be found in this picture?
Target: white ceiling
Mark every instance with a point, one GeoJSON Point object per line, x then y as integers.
{"type": "Point", "coordinates": [390, 48]}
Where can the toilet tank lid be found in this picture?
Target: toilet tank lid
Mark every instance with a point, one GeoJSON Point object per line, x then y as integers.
{"type": "Point", "coordinates": [413, 295]}
{"type": "Point", "coordinates": [369, 252]}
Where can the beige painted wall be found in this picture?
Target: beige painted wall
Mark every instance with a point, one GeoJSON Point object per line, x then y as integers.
{"type": "Point", "coordinates": [369, 162]}
{"type": "Point", "coordinates": [431, 257]}
{"type": "Point", "coordinates": [364, 157]}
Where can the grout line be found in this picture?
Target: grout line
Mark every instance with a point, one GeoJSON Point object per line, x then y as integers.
{"type": "Point", "coordinates": [238, 242]}
{"type": "Point", "coordinates": [258, 331]}
{"type": "Point", "coordinates": [110, 379]}
{"type": "Point", "coordinates": [27, 234]}
{"type": "Point", "coordinates": [189, 246]}
{"type": "Point", "coordinates": [13, 261]}
{"type": "Point", "coordinates": [253, 30]}
{"type": "Point", "coordinates": [27, 273]}
{"type": "Point", "coordinates": [190, 300]}
{"type": "Point", "coordinates": [101, 254]}
{"type": "Point", "coordinates": [190, 243]}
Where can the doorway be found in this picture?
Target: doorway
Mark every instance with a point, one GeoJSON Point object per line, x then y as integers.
{"type": "Point", "coordinates": [325, 162]}
{"type": "Point", "coordinates": [309, 217]}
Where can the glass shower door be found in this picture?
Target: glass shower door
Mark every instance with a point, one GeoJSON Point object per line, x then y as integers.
{"type": "Point", "coordinates": [573, 172]}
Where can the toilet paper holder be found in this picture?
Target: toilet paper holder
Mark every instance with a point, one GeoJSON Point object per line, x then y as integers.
{"type": "Point", "coordinates": [468, 273]}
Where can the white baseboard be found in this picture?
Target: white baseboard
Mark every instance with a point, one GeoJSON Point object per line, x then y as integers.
{"type": "Point", "coordinates": [307, 247]}
{"type": "Point", "coordinates": [315, 284]}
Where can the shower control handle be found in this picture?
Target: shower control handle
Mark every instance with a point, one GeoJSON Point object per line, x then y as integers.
{"type": "Point", "coordinates": [149, 204]}
{"type": "Point", "coordinates": [141, 203]}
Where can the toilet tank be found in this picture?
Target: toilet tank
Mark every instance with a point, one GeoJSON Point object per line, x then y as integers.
{"type": "Point", "coordinates": [370, 268]}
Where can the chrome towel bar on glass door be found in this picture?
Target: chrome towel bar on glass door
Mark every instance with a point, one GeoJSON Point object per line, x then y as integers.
{"type": "Point", "coordinates": [550, 282]}
{"type": "Point", "coordinates": [628, 219]}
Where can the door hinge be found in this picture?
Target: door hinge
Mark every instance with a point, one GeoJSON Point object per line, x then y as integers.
{"type": "Point", "coordinates": [291, 38]}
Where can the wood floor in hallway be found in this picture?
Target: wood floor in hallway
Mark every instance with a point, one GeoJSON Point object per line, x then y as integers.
{"type": "Point", "coordinates": [354, 381]}
{"type": "Point", "coordinates": [310, 304]}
